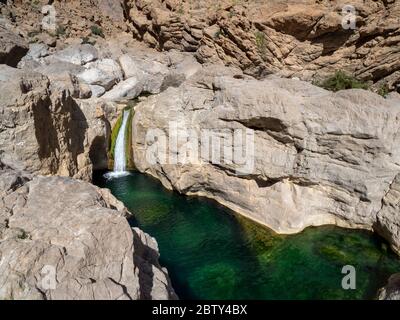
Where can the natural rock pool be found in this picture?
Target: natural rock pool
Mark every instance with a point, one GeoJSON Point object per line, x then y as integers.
{"type": "Point", "coordinates": [211, 253]}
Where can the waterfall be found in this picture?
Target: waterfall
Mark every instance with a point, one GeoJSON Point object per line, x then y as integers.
{"type": "Point", "coordinates": [119, 150]}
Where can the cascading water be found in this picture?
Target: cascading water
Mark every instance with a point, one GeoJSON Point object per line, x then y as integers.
{"type": "Point", "coordinates": [119, 150]}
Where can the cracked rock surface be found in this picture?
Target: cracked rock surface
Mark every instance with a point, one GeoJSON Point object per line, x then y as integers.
{"type": "Point", "coordinates": [67, 239]}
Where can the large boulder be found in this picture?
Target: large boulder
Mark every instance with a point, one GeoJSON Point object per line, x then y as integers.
{"type": "Point", "coordinates": [151, 73]}
{"type": "Point", "coordinates": [66, 239]}
{"type": "Point", "coordinates": [142, 75]}
{"type": "Point", "coordinates": [105, 73]}
{"type": "Point", "coordinates": [319, 157]}
{"type": "Point", "coordinates": [33, 58]}
{"type": "Point", "coordinates": [146, 75]}
{"type": "Point", "coordinates": [12, 47]}
{"type": "Point", "coordinates": [125, 90]}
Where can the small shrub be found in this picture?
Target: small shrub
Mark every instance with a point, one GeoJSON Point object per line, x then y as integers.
{"type": "Point", "coordinates": [341, 81]}
{"type": "Point", "coordinates": [33, 33]}
{"type": "Point", "coordinates": [23, 235]}
{"type": "Point", "coordinates": [261, 43]}
{"type": "Point", "coordinates": [97, 31]}
{"type": "Point", "coordinates": [35, 4]}
{"type": "Point", "coordinates": [219, 33]}
{"type": "Point", "coordinates": [383, 90]}
{"type": "Point", "coordinates": [180, 10]}
{"type": "Point", "coordinates": [86, 40]}
{"type": "Point", "coordinates": [60, 31]}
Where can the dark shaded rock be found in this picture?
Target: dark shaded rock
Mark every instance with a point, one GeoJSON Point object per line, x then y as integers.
{"type": "Point", "coordinates": [12, 47]}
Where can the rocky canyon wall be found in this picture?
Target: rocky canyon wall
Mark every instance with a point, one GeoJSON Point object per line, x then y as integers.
{"type": "Point", "coordinates": [304, 39]}
{"type": "Point", "coordinates": [45, 130]}
{"type": "Point", "coordinates": [62, 238]}
{"type": "Point", "coordinates": [319, 157]}
{"type": "Point", "coordinates": [307, 39]}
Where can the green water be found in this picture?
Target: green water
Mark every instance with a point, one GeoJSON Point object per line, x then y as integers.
{"type": "Point", "coordinates": [211, 253]}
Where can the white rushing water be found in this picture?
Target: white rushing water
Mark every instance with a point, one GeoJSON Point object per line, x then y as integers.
{"type": "Point", "coordinates": [119, 150]}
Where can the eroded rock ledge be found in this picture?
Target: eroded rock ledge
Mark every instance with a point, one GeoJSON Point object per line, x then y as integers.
{"type": "Point", "coordinates": [79, 231]}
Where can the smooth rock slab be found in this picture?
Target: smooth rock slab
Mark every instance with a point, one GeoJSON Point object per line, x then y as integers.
{"type": "Point", "coordinates": [125, 90]}
{"type": "Point", "coordinates": [150, 73]}
{"type": "Point", "coordinates": [97, 91]}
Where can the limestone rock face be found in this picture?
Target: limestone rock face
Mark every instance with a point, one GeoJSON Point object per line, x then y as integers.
{"type": "Point", "coordinates": [52, 120]}
{"type": "Point", "coordinates": [44, 130]}
{"type": "Point", "coordinates": [12, 47]}
{"type": "Point", "coordinates": [66, 239]}
{"type": "Point", "coordinates": [319, 157]}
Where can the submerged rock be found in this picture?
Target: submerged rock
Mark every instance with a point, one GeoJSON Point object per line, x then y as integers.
{"type": "Point", "coordinates": [66, 239]}
{"type": "Point", "coordinates": [392, 289]}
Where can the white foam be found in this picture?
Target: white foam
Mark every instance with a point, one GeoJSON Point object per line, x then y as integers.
{"type": "Point", "coordinates": [116, 174]}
